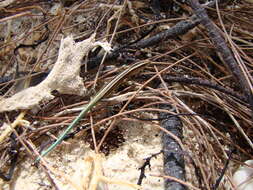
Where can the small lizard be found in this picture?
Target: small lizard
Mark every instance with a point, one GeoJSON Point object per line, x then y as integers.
{"type": "Point", "coordinates": [104, 91]}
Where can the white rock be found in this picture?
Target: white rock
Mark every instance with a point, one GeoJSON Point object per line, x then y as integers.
{"type": "Point", "coordinates": [243, 177]}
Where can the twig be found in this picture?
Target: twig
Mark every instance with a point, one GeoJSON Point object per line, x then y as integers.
{"type": "Point", "coordinates": [143, 167]}
{"type": "Point", "coordinates": [18, 121]}
{"type": "Point", "coordinates": [205, 83]}
{"type": "Point", "coordinates": [186, 184]}
{"type": "Point", "coordinates": [163, 118]}
{"type": "Point", "coordinates": [216, 185]}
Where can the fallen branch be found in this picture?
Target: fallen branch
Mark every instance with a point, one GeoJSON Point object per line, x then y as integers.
{"type": "Point", "coordinates": [172, 151]}
{"type": "Point", "coordinates": [205, 83]}
{"type": "Point", "coordinates": [180, 28]}
{"type": "Point", "coordinates": [220, 44]}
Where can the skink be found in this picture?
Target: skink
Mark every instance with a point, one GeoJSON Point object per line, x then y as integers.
{"type": "Point", "coordinates": [107, 89]}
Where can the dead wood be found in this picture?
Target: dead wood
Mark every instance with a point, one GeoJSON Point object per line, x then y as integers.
{"type": "Point", "coordinates": [223, 49]}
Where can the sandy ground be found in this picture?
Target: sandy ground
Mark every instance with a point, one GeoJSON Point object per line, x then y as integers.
{"type": "Point", "coordinates": [121, 164]}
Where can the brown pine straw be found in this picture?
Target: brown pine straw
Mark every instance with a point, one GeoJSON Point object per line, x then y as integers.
{"type": "Point", "coordinates": [187, 184]}
{"type": "Point", "coordinates": [221, 120]}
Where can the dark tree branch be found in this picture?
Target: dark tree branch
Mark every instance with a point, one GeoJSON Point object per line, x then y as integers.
{"type": "Point", "coordinates": [172, 152]}
{"type": "Point", "coordinates": [223, 49]}
{"type": "Point", "coordinates": [180, 28]}
{"type": "Point", "coordinates": [205, 83]}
